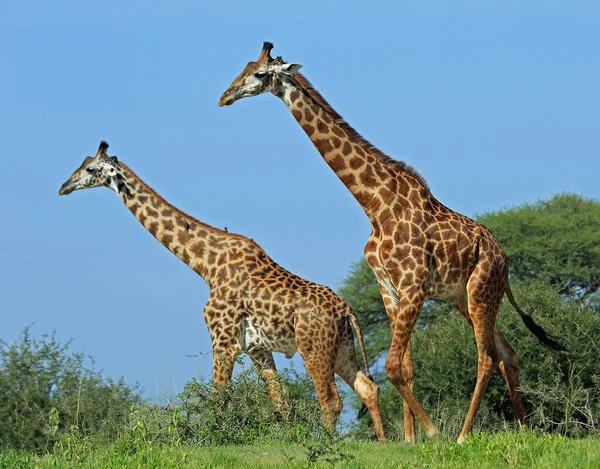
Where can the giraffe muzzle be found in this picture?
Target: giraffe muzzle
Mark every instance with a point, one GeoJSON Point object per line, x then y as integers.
{"type": "Point", "coordinates": [227, 98]}
{"type": "Point", "coordinates": [65, 189]}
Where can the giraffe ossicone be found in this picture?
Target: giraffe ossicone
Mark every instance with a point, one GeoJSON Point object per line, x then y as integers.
{"type": "Point", "coordinates": [418, 247]}
{"type": "Point", "coordinates": [255, 305]}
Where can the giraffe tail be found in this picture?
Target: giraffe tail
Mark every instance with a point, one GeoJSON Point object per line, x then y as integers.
{"type": "Point", "coordinates": [352, 315]}
{"type": "Point", "coordinates": [547, 340]}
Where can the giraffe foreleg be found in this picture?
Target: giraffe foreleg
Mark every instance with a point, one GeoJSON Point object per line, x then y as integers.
{"type": "Point", "coordinates": [406, 367]}
{"type": "Point", "coordinates": [225, 340]}
{"type": "Point", "coordinates": [403, 320]}
{"type": "Point", "coordinates": [223, 361]}
{"type": "Point", "coordinates": [224, 354]}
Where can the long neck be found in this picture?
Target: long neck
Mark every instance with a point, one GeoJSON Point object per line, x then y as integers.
{"type": "Point", "coordinates": [370, 175]}
{"type": "Point", "coordinates": [199, 245]}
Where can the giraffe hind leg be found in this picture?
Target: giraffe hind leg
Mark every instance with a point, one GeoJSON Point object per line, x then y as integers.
{"type": "Point", "coordinates": [508, 363]}
{"type": "Point", "coordinates": [486, 365]}
{"type": "Point", "coordinates": [484, 296]}
{"type": "Point", "coordinates": [321, 372]}
{"type": "Point", "coordinates": [409, 417]}
{"type": "Point", "coordinates": [319, 353]}
{"type": "Point", "coordinates": [509, 367]}
{"type": "Point", "coordinates": [268, 372]}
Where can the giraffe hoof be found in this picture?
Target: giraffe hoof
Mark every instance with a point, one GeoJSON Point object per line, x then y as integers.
{"type": "Point", "coordinates": [461, 439]}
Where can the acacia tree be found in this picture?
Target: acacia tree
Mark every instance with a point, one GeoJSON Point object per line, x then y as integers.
{"type": "Point", "coordinates": [555, 241]}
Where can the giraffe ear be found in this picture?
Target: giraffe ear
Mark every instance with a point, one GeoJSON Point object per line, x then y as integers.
{"type": "Point", "coordinates": [290, 69]}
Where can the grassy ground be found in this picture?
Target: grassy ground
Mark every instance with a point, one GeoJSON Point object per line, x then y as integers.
{"type": "Point", "coordinates": [510, 450]}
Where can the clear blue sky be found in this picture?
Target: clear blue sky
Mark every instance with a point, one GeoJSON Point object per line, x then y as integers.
{"type": "Point", "coordinates": [494, 102]}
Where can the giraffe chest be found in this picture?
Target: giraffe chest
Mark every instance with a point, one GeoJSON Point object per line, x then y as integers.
{"type": "Point", "coordinates": [267, 334]}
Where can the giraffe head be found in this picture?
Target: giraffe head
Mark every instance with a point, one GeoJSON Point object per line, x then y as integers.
{"type": "Point", "coordinates": [266, 74]}
{"type": "Point", "coordinates": [96, 171]}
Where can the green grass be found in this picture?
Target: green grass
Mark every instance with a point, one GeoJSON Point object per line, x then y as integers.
{"type": "Point", "coordinates": [511, 450]}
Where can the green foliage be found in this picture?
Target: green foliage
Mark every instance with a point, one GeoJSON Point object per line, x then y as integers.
{"type": "Point", "coordinates": [556, 241]}
{"type": "Point", "coordinates": [45, 391]}
{"type": "Point", "coordinates": [561, 390]}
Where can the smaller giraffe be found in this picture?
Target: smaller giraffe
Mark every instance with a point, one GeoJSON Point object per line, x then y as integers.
{"type": "Point", "coordinates": [255, 305]}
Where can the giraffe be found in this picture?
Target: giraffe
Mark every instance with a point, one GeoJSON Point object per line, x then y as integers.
{"type": "Point", "coordinates": [255, 305]}
{"type": "Point", "coordinates": [418, 248]}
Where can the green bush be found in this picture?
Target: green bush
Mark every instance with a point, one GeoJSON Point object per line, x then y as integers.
{"type": "Point", "coordinates": [561, 390]}
{"type": "Point", "coordinates": [45, 391]}
{"type": "Point", "coordinates": [239, 412]}
{"type": "Point", "coordinates": [50, 402]}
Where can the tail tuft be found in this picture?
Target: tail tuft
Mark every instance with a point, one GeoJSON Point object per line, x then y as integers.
{"type": "Point", "coordinates": [540, 333]}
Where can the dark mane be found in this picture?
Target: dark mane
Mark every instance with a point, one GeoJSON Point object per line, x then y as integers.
{"type": "Point", "coordinates": [182, 214]}
{"type": "Point", "coordinates": [364, 143]}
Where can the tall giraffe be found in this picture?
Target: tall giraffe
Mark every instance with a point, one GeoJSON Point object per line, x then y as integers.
{"type": "Point", "coordinates": [418, 248]}
{"type": "Point", "coordinates": [255, 305]}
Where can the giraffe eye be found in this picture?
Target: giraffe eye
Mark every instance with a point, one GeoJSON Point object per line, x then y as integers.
{"type": "Point", "coordinates": [91, 170]}
{"type": "Point", "coordinates": [260, 74]}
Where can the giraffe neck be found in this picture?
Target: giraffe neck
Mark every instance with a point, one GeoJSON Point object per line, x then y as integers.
{"type": "Point", "coordinates": [372, 177]}
{"type": "Point", "coordinates": [199, 245]}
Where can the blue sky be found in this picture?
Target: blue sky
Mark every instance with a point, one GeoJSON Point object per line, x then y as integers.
{"type": "Point", "coordinates": [495, 103]}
